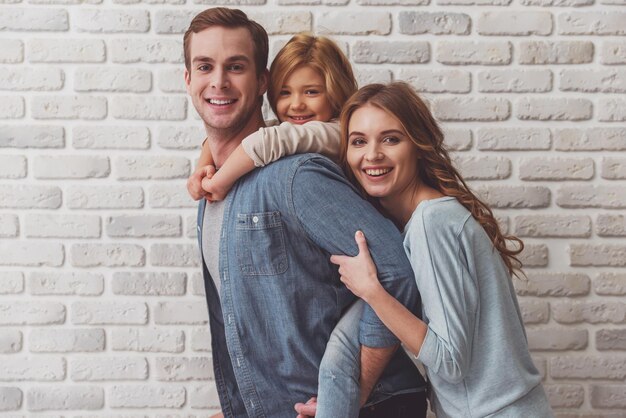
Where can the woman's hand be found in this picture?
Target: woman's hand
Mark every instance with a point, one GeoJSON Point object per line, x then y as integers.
{"type": "Point", "coordinates": [359, 273]}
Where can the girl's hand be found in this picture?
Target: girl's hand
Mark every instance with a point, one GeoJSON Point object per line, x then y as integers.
{"type": "Point", "coordinates": [194, 182]}
{"type": "Point", "coordinates": [215, 186]}
{"type": "Point", "coordinates": [359, 273]}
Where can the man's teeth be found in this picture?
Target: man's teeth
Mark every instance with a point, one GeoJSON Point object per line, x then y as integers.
{"type": "Point", "coordinates": [377, 172]}
{"type": "Point", "coordinates": [220, 102]}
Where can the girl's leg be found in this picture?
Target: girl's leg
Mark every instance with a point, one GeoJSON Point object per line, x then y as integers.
{"type": "Point", "coordinates": [338, 387]}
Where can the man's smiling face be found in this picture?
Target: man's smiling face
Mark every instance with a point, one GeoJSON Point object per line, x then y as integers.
{"type": "Point", "coordinates": [222, 79]}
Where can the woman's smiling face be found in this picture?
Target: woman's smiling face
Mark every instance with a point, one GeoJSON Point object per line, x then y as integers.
{"type": "Point", "coordinates": [380, 154]}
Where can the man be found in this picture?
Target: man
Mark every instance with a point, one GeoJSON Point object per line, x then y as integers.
{"type": "Point", "coordinates": [273, 295]}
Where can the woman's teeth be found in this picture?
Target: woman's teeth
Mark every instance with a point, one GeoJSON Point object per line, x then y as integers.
{"type": "Point", "coordinates": [377, 172]}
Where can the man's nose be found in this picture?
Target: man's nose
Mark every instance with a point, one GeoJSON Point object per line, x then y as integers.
{"type": "Point", "coordinates": [220, 80]}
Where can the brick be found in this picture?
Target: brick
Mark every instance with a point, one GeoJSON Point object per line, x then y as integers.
{"type": "Point", "coordinates": [353, 23]}
{"type": "Point", "coordinates": [112, 79]}
{"type": "Point", "coordinates": [168, 196]}
{"type": "Point", "coordinates": [12, 167]}
{"type": "Point", "coordinates": [471, 109]}
{"type": "Point", "coordinates": [71, 167]}
{"type": "Point", "coordinates": [149, 108]}
{"type": "Point", "coordinates": [613, 168]}
{"type": "Point", "coordinates": [201, 339]}
{"type": "Point", "coordinates": [440, 23]}
{"type": "Point", "coordinates": [611, 109]}
{"type": "Point", "coordinates": [611, 339]}
{"type": "Point", "coordinates": [588, 367]}
{"type": "Point", "coordinates": [366, 76]}
{"type": "Point", "coordinates": [11, 282]}
{"type": "Point", "coordinates": [283, 23]}
{"type": "Point", "coordinates": [181, 137]}
{"type": "Point", "coordinates": [149, 1]}
{"type": "Point", "coordinates": [110, 137]}
{"type": "Point", "coordinates": [553, 226]}
{"type": "Point", "coordinates": [10, 341]}
{"type": "Point", "coordinates": [608, 396]}
{"type": "Point", "coordinates": [535, 311]}
{"type": "Point", "coordinates": [518, 23]}
{"type": "Point", "coordinates": [30, 197]}
{"type": "Point", "coordinates": [108, 368]}
{"type": "Point", "coordinates": [153, 284]}
{"type": "Point", "coordinates": [176, 313]}
{"type": "Point", "coordinates": [604, 81]}
{"type": "Point", "coordinates": [600, 255]}
{"type": "Point", "coordinates": [590, 312]}
{"type": "Point", "coordinates": [398, 52]}
{"type": "Point", "coordinates": [538, 168]}
{"type": "Point", "coordinates": [197, 284]}
{"type": "Point", "coordinates": [59, 340]}
{"type": "Point", "coordinates": [144, 226]}
{"type": "Point", "coordinates": [191, 227]}
{"type": "Point", "coordinates": [474, 52]}
{"type": "Point", "coordinates": [65, 398]}
{"type": "Point", "coordinates": [154, 51]}
{"type": "Point", "coordinates": [515, 81]}
{"type": "Point", "coordinates": [613, 52]}
{"type": "Point", "coordinates": [610, 284]}
{"type": "Point", "coordinates": [174, 255]}
{"type": "Point", "coordinates": [146, 396]}
{"type": "Point", "coordinates": [556, 339]}
{"type": "Point", "coordinates": [554, 108]}
{"type": "Point", "coordinates": [151, 167]}
{"type": "Point", "coordinates": [61, 226]}
{"type": "Point", "coordinates": [565, 396]}
{"type": "Point", "coordinates": [456, 139]}
{"type": "Point", "coordinates": [65, 50]}
{"type": "Point", "coordinates": [172, 21]}
{"type": "Point", "coordinates": [590, 196]}
{"type": "Point", "coordinates": [105, 197]}
{"type": "Point", "coordinates": [514, 196]}
{"type": "Point", "coordinates": [180, 369]}
{"type": "Point", "coordinates": [31, 254]}
{"type": "Point", "coordinates": [9, 224]}
{"type": "Point", "coordinates": [109, 313]}
{"type": "Point", "coordinates": [24, 313]}
{"type": "Point", "coordinates": [107, 255]}
{"type": "Point", "coordinates": [11, 107]}
{"type": "Point", "coordinates": [592, 23]}
{"type": "Point", "coordinates": [10, 399]}
{"type": "Point", "coordinates": [437, 81]}
{"type": "Point", "coordinates": [474, 2]}
{"type": "Point", "coordinates": [555, 52]}
{"type": "Point", "coordinates": [591, 139]}
{"type": "Point", "coordinates": [37, 368]}
{"type": "Point", "coordinates": [204, 397]}
{"type": "Point", "coordinates": [534, 255]}
{"type": "Point", "coordinates": [393, 2]}
{"type": "Point", "coordinates": [483, 167]}
{"type": "Point", "coordinates": [557, 3]}
{"type": "Point", "coordinates": [111, 21]}
{"type": "Point", "coordinates": [553, 284]}
{"type": "Point", "coordinates": [156, 340]}
{"type": "Point", "coordinates": [33, 19]}
{"type": "Point", "coordinates": [513, 139]}
{"type": "Point", "coordinates": [11, 51]}
{"type": "Point", "coordinates": [65, 283]}
{"type": "Point", "coordinates": [69, 107]}
{"type": "Point", "coordinates": [31, 79]}
{"type": "Point", "coordinates": [171, 80]}
{"type": "Point", "coordinates": [31, 136]}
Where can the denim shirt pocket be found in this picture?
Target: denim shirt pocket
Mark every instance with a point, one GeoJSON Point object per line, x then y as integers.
{"type": "Point", "coordinates": [261, 244]}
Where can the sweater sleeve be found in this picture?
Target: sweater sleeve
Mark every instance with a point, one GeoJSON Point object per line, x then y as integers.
{"type": "Point", "coordinates": [450, 299]}
{"type": "Point", "coordinates": [271, 143]}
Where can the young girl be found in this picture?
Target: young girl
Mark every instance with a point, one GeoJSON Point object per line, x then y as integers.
{"type": "Point", "coordinates": [471, 339]}
{"type": "Point", "coordinates": [310, 80]}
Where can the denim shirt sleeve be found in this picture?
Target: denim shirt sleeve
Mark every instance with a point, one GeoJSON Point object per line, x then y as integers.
{"type": "Point", "coordinates": [330, 211]}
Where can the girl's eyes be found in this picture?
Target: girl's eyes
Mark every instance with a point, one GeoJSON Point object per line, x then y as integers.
{"type": "Point", "coordinates": [311, 92]}
{"type": "Point", "coordinates": [284, 93]}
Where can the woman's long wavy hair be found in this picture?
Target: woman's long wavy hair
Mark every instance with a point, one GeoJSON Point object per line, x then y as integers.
{"type": "Point", "coordinates": [435, 167]}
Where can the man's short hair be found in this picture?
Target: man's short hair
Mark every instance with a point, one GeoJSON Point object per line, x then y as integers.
{"type": "Point", "coordinates": [230, 18]}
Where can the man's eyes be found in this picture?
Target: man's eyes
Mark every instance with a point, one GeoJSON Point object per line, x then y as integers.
{"type": "Point", "coordinates": [235, 67]}
{"type": "Point", "coordinates": [205, 67]}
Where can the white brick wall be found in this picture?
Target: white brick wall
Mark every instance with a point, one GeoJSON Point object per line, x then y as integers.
{"type": "Point", "coordinates": [101, 302]}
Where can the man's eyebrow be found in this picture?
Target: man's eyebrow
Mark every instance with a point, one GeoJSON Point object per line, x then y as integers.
{"type": "Point", "coordinates": [238, 58]}
{"type": "Point", "coordinates": [202, 59]}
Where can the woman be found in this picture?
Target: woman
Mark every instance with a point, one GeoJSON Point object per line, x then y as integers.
{"type": "Point", "coordinates": [471, 338]}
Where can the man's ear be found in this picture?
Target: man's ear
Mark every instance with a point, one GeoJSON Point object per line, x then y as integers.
{"type": "Point", "coordinates": [264, 79]}
{"type": "Point", "coordinates": [187, 80]}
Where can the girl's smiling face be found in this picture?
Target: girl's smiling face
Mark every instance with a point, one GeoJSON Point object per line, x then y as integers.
{"type": "Point", "coordinates": [381, 155]}
{"type": "Point", "coordinates": [303, 97]}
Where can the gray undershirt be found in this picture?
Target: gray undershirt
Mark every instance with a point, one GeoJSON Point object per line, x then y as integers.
{"type": "Point", "coordinates": [211, 230]}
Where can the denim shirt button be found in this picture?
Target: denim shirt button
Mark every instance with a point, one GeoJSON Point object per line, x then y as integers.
{"type": "Point", "coordinates": [255, 219]}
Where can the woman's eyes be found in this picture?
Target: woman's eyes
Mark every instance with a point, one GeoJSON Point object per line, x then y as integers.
{"type": "Point", "coordinates": [391, 140]}
{"type": "Point", "coordinates": [357, 141]}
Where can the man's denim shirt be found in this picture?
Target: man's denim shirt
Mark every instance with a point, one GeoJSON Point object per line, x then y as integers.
{"type": "Point", "coordinates": [280, 295]}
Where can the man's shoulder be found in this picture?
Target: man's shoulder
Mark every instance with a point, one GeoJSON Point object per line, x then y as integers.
{"type": "Point", "coordinates": [289, 166]}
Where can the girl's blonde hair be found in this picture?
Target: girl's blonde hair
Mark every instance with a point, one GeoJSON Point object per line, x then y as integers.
{"type": "Point", "coordinates": [435, 168]}
{"type": "Point", "coordinates": [324, 56]}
